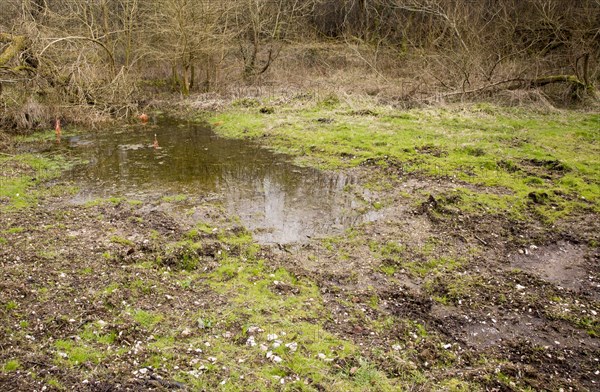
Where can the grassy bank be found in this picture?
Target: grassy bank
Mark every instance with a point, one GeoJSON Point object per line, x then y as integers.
{"type": "Point", "coordinates": [502, 160]}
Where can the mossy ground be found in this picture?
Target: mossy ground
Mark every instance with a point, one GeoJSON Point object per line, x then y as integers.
{"type": "Point", "coordinates": [504, 160]}
{"type": "Point", "coordinates": [438, 294]}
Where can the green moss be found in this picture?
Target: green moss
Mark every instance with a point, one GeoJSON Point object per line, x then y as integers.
{"type": "Point", "coordinates": [175, 198]}
{"type": "Point", "coordinates": [11, 365]}
{"type": "Point", "coordinates": [115, 239]}
{"type": "Point", "coordinates": [75, 354]}
{"type": "Point", "coordinates": [22, 173]}
{"type": "Point", "coordinates": [499, 148]}
{"type": "Point", "coordinates": [14, 230]}
{"type": "Point", "coordinates": [53, 382]}
{"type": "Point", "coordinates": [388, 269]}
{"type": "Point", "coordinates": [146, 319]}
{"type": "Point", "coordinates": [181, 255]}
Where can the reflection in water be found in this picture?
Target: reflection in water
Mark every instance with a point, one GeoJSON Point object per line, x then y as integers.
{"type": "Point", "coordinates": [280, 202]}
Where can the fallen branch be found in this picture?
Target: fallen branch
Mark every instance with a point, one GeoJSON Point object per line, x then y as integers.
{"type": "Point", "coordinates": [571, 79]}
{"type": "Point", "coordinates": [479, 89]}
{"type": "Point", "coordinates": [518, 83]}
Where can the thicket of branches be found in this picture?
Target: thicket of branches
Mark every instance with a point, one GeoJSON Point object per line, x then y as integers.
{"type": "Point", "coordinates": [59, 56]}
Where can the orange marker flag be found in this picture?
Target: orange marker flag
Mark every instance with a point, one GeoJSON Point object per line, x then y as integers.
{"type": "Point", "coordinates": [57, 129]}
{"type": "Point", "coordinates": [143, 118]}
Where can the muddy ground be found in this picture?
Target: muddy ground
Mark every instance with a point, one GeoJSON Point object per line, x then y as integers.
{"type": "Point", "coordinates": [428, 296]}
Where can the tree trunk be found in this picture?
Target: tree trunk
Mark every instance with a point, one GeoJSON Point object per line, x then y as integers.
{"type": "Point", "coordinates": [174, 78]}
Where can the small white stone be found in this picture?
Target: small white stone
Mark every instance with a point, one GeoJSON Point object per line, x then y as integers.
{"type": "Point", "coordinates": [519, 287]}
{"type": "Point", "coordinates": [271, 336]}
{"type": "Point", "coordinates": [276, 359]}
{"type": "Point", "coordinates": [254, 329]}
{"type": "Point", "coordinates": [321, 356]}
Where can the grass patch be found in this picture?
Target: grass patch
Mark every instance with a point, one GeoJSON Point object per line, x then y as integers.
{"type": "Point", "coordinates": [11, 365]}
{"type": "Point", "coordinates": [146, 319]}
{"type": "Point", "coordinates": [75, 354]}
{"type": "Point", "coordinates": [511, 150]}
{"type": "Point", "coordinates": [175, 198]}
{"type": "Point", "coordinates": [20, 175]}
{"type": "Point", "coordinates": [115, 239]}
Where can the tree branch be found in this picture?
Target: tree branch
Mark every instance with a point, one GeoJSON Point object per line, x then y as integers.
{"type": "Point", "coordinates": [110, 55]}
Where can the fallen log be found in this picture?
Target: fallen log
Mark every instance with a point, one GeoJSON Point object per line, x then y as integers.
{"type": "Point", "coordinates": [545, 80]}
{"type": "Point", "coordinates": [521, 83]}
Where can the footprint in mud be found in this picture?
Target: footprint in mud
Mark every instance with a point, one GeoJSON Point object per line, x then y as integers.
{"type": "Point", "coordinates": [562, 263]}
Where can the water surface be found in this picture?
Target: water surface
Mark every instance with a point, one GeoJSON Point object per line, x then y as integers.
{"type": "Point", "coordinates": [280, 202]}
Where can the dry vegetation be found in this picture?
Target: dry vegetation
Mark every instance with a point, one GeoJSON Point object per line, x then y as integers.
{"type": "Point", "coordinates": [78, 59]}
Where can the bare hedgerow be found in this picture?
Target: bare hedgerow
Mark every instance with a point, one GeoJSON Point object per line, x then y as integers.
{"type": "Point", "coordinates": [112, 56]}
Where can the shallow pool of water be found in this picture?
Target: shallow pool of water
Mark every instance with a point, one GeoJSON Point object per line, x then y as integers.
{"type": "Point", "coordinates": [279, 201]}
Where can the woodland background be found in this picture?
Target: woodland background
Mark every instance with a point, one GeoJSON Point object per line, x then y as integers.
{"type": "Point", "coordinates": [86, 60]}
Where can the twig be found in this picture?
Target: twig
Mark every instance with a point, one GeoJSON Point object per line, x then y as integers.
{"type": "Point", "coordinates": [480, 240]}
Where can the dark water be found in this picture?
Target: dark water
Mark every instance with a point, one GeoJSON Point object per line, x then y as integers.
{"type": "Point", "coordinates": [279, 201]}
